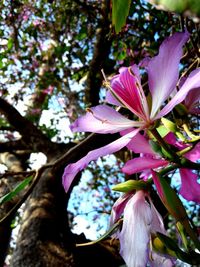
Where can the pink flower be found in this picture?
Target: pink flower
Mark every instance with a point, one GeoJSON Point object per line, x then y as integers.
{"type": "Point", "coordinates": [48, 90]}
{"type": "Point", "coordinates": [148, 160]}
{"type": "Point", "coordinates": [140, 220]}
{"type": "Point", "coordinates": [126, 91]}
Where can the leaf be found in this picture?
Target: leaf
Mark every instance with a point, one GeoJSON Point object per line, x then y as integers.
{"type": "Point", "coordinates": [191, 257]}
{"type": "Point", "coordinates": [16, 190]}
{"type": "Point", "coordinates": [10, 44]}
{"type": "Point", "coordinates": [179, 6]}
{"type": "Point", "coordinates": [120, 11]}
{"type": "Point", "coordinates": [174, 205]}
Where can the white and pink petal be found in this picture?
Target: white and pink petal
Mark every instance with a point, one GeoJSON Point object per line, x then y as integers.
{"type": "Point", "coordinates": [72, 169]}
{"type": "Point", "coordinates": [103, 119]}
{"type": "Point", "coordinates": [135, 235]}
{"type": "Point", "coordinates": [163, 69]}
{"type": "Point", "coordinates": [192, 83]}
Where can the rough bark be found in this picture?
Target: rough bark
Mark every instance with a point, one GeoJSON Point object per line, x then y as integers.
{"type": "Point", "coordinates": [100, 56]}
{"type": "Point", "coordinates": [13, 164]}
{"type": "Point", "coordinates": [45, 238]}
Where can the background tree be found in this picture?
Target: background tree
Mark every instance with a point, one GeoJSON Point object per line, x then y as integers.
{"type": "Point", "coordinates": [51, 57]}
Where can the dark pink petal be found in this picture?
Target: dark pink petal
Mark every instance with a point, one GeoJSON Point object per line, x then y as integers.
{"type": "Point", "coordinates": [118, 208]}
{"type": "Point", "coordinates": [163, 69]}
{"type": "Point", "coordinates": [157, 184]}
{"type": "Point", "coordinates": [192, 99]}
{"type": "Point", "coordinates": [72, 169]}
{"type": "Point", "coordinates": [194, 110]}
{"type": "Point", "coordinates": [102, 119]}
{"type": "Point", "coordinates": [145, 175]}
{"type": "Point", "coordinates": [128, 90]}
{"type": "Point", "coordinates": [135, 235]}
{"type": "Point", "coordinates": [170, 138]}
{"type": "Point", "coordinates": [190, 188]}
{"type": "Point", "coordinates": [194, 154]}
{"type": "Point", "coordinates": [192, 82]}
{"type": "Point", "coordinates": [141, 164]}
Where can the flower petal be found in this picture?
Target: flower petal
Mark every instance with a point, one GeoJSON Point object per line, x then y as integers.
{"type": "Point", "coordinates": [160, 261]}
{"type": "Point", "coordinates": [140, 164]}
{"type": "Point", "coordinates": [157, 221]}
{"type": "Point", "coordinates": [192, 99]}
{"type": "Point", "coordinates": [135, 234]}
{"type": "Point", "coordinates": [194, 154]}
{"type": "Point", "coordinates": [72, 169]}
{"type": "Point", "coordinates": [163, 69]}
{"type": "Point", "coordinates": [190, 188]}
{"type": "Point", "coordinates": [127, 88]}
{"type": "Point", "coordinates": [102, 119]}
{"type": "Point", "coordinates": [139, 144]}
{"type": "Point", "coordinates": [192, 82]}
{"type": "Point", "coordinates": [158, 185]}
{"type": "Point", "coordinates": [112, 100]}
{"type": "Point", "coordinates": [170, 138]}
{"type": "Point", "coordinates": [118, 208]}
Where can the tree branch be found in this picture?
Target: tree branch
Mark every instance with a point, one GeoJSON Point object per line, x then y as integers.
{"type": "Point", "coordinates": [12, 146]}
{"type": "Point", "coordinates": [32, 137]}
{"type": "Point", "coordinates": [100, 57]}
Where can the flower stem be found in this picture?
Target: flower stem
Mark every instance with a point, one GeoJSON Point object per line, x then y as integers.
{"type": "Point", "coordinates": [164, 145]}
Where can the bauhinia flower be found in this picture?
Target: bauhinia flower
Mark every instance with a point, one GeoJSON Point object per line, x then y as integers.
{"type": "Point", "coordinates": [126, 90]}
{"type": "Point", "coordinates": [140, 221]}
{"type": "Point", "coordinates": [148, 160]}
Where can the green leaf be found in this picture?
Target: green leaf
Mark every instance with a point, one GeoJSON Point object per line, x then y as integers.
{"type": "Point", "coordinates": [15, 191]}
{"type": "Point", "coordinates": [10, 44]}
{"type": "Point", "coordinates": [169, 125]}
{"type": "Point", "coordinates": [191, 257]}
{"type": "Point", "coordinates": [174, 205]}
{"type": "Point", "coordinates": [179, 6]}
{"type": "Point", "coordinates": [120, 11]}
{"type": "Point", "coordinates": [163, 131]}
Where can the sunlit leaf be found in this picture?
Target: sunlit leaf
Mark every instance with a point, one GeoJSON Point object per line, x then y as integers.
{"type": "Point", "coordinates": [16, 190]}
{"type": "Point", "coordinates": [179, 6]}
{"type": "Point", "coordinates": [120, 11]}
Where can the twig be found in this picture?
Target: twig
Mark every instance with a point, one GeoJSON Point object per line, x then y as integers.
{"type": "Point", "coordinates": [7, 174]}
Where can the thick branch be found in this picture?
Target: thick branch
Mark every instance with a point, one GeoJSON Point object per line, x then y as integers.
{"type": "Point", "coordinates": [12, 146]}
{"type": "Point", "coordinates": [32, 137]}
{"type": "Point", "coordinates": [100, 57]}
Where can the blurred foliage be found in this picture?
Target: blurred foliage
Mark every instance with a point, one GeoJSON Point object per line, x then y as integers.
{"type": "Point", "coordinates": [188, 7]}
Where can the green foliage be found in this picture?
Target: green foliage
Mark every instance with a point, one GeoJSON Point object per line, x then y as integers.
{"type": "Point", "coordinates": [120, 11]}
{"type": "Point", "coordinates": [191, 257]}
{"type": "Point", "coordinates": [15, 191]}
{"type": "Point", "coordinates": [180, 6]}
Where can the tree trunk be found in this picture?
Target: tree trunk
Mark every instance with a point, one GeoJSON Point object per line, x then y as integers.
{"type": "Point", "coordinates": [45, 239]}
{"type": "Point", "coordinates": [14, 165]}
